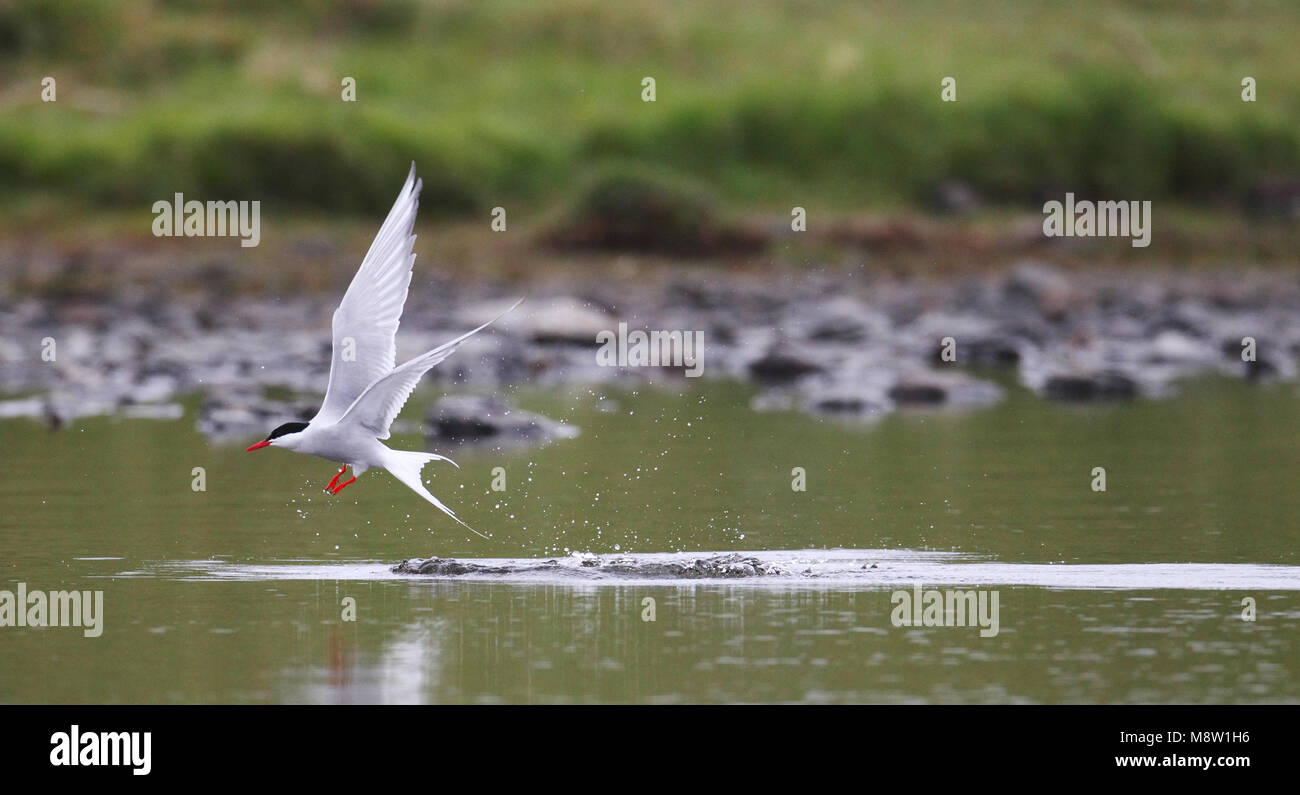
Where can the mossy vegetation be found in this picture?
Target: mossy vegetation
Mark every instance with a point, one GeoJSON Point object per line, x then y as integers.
{"type": "Point", "coordinates": [768, 104]}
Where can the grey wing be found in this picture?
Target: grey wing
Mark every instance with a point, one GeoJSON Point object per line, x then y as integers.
{"type": "Point", "coordinates": [381, 402]}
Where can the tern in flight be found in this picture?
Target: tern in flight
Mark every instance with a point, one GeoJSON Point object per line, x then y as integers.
{"type": "Point", "coordinates": [366, 388]}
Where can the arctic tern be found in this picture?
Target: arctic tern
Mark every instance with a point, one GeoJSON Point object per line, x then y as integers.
{"type": "Point", "coordinates": [366, 388]}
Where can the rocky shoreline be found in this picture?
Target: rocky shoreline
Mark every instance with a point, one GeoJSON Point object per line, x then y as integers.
{"type": "Point", "coordinates": [722, 567]}
{"type": "Point", "coordinates": [828, 342]}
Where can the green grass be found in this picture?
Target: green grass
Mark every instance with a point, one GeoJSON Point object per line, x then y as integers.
{"type": "Point", "coordinates": [770, 103]}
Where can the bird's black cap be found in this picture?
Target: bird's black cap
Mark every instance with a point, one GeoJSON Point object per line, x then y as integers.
{"type": "Point", "coordinates": [288, 427]}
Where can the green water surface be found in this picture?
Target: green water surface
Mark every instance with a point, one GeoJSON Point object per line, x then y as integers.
{"type": "Point", "coordinates": [1206, 477]}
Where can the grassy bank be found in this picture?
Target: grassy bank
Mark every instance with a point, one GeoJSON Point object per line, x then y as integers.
{"type": "Point", "coordinates": [770, 103]}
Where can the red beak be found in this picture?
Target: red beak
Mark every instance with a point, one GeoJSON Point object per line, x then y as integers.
{"type": "Point", "coordinates": [259, 445]}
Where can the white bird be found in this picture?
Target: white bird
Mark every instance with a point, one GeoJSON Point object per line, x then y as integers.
{"type": "Point", "coordinates": [366, 389]}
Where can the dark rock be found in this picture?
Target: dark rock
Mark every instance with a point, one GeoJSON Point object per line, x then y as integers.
{"type": "Point", "coordinates": [782, 365]}
{"type": "Point", "coordinates": [845, 405]}
{"type": "Point", "coordinates": [838, 329]}
{"type": "Point", "coordinates": [912, 393]}
{"type": "Point", "coordinates": [989, 352]}
{"type": "Point", "coordinates": [1105, 385]}
{"type": "Point", "coordinates": [1261, 370]}
{"type": "Point", "coordinates": [732, 566]}
{"type": "Point", "coordinates": [476, 418]}
{"type": "Point", "coordinates": [720, 567]}
{"type": "Point", "coordinates": [932, 387]}
{"type": "Point", "coordinates": [449, 567]}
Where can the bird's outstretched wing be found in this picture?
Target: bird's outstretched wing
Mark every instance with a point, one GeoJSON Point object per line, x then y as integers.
{"type": "Point", "coordinates": [365, 324]}
{"type": "Point", "coordinates": [377, 407]}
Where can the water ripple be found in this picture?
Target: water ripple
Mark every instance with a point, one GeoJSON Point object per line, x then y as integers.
{"type": "Point", "coordinates": [820, 569]}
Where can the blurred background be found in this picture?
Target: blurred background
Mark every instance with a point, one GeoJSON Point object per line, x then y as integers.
{"type": "Point", "coordinates": [760, 106]}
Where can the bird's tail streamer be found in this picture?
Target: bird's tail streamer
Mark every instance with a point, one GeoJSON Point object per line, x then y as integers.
{"type": "Point", "coordinates": [405, 465]}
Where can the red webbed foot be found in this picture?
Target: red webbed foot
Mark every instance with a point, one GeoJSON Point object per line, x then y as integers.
{"type": "Point", "coordinates": [335, 481]}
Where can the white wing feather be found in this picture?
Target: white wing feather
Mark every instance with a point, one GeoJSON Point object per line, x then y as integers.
{"type": "Point", "coordinates": [381, 402]}
{"type": "Point", "coordinates": [365, 323]}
